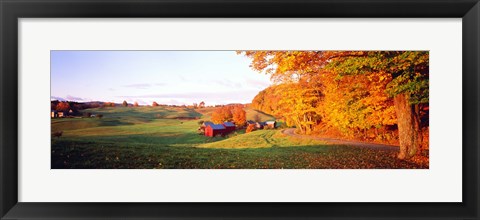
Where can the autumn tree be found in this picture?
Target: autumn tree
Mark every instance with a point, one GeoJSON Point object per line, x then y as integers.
{"type": "Point", "coordinates": [267, 101]}
{"type": "Point", "coordinates": [155, 104]}
{"type": "Point", "coordinates": [124, 104]}
{"type": "Point", "coordinates": [409, 72]}
{"type": "Point", "coordinates": [222, 114]}
{"type": "Point", "coordinates": [135, 104]}
{"type": "Point", "coordinates": [250, 128]}
{"type": "Point", "coordinates": [108, 104]}
{"type": "Point", "coordinates": [202, 104]}
{"type": "Point", "coordinates": [355, 104]}
{"type": "Point", "coordinates": [351, 89]}
{"type": "Point", "coordinates": [63, 107]}
{"type": "Point", "coordinates": [296, 95]}
{"type": "Point", "coordinates": [300, 104]}
{"type": "Point", "coordinates": [53, 105]}
{"type": "Point", "coordinates": [239, 116]}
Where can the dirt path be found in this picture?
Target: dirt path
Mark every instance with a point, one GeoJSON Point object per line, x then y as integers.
{"type": "Point", "coordinates": [291, 132]}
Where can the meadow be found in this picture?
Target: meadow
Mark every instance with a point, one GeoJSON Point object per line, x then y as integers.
{"type": "Point", "coordinates": [167, 137]}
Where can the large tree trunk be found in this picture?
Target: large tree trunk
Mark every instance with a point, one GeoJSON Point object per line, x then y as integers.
{"type": "Point", "coordinates": [298, 125]}
{"type": "Point", "coordinates": [408, 126]}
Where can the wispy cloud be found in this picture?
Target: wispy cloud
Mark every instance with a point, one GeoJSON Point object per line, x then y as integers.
{"type": "Point", "coordinates": [143, 85]}
{"type": "Point", "coordinates": [190, 79]}
{"type": "Point", "coordinates": [67, 98]}
{"type": "Point", "coordinates": [257, 83]}
{"type": "Point", "coordinates": [74, 98]}
{"type": "Point", "coordinates": [227, 83]}
{"type": "Point", "coordinates": [138, 86]}
{"type": "Point", "coordinates": [230, 95]}
{"type": "Point", "coordinates": [57, 98]}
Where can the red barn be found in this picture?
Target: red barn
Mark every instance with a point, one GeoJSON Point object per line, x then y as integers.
{"type": "Point", "coordinates": [229, 126]}
{"type": "Point", "coordinates": [212, 130]}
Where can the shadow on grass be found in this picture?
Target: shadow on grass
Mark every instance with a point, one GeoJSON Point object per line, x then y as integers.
{"type": "Point", "coordinates": [114, 122]}
{"type": "Point", "coordinates": [94, 155]}
{"type": "Point", "coordinates": [155, 138]}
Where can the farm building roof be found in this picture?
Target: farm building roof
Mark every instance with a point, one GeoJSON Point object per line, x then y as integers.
{"type": "Point", "coordinates": [208, 123]}
{"type": "Point", "coordinates": [216, 126]}
{"type": "Point", "coordinates": [229, 124]}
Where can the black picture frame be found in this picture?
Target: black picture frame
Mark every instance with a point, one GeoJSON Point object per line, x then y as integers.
{"type": "Point", "coordinates": [11, 10]}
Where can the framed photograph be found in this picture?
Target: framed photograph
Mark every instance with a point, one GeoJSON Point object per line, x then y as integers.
{"type": "Point", "coordinates": [225, 109]}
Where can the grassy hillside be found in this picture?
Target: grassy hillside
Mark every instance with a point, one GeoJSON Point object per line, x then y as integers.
{"type": "Point", "coordinates": [166, 137]}
{"type": "Point", "coordinates": [252, 113]}
{"type": "Point", "coordinates": [159, 125]}
{"type": "Point", "coordinates": [118, 116]}
{"type": "Point", "coordinates": [145, 113]}
{"type": "Point", "coordinates": [261, 139]}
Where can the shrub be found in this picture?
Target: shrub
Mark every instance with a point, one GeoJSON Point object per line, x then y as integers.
{"type": "Point", "coordinates": [250, 128]}
{"type": "Point", "coordinates": [99, 116]}
{"type": "Point", "coordinates": [281, 125]}
{"type": "Point", "coordinates": [108, 104]}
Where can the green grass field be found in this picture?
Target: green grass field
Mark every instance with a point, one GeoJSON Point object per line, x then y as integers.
{"type": "Point", "coordinates": [167, 137]}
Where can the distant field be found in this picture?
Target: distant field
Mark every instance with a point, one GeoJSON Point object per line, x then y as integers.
{"type": "Point", "coordinates": [167, 137]}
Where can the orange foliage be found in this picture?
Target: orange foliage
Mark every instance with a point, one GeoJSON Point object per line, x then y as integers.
{"type": "Point", "coordinates": [63, 106]}
{"type": "Point", "coordinates": [250, 128]}
{"type": "Point", "coordinates": [108, 104]}
{"type": "Point", "coordinates": [222, 114]}
{"type": "Point", "coordinates": [351, 91]}
{"type": "Point", "coordinates": [239, 116]}
{"type": "Point", "coordinates": [353, 104]}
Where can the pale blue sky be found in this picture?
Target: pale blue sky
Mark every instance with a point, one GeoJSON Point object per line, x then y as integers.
{"type": "Point", "coordinates": [168, 77]}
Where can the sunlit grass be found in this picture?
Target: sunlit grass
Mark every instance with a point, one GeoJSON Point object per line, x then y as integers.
{"type": "Point", "coordinates": [262, 139]}
{"type": "Point", "coordinates": [137, 138]}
